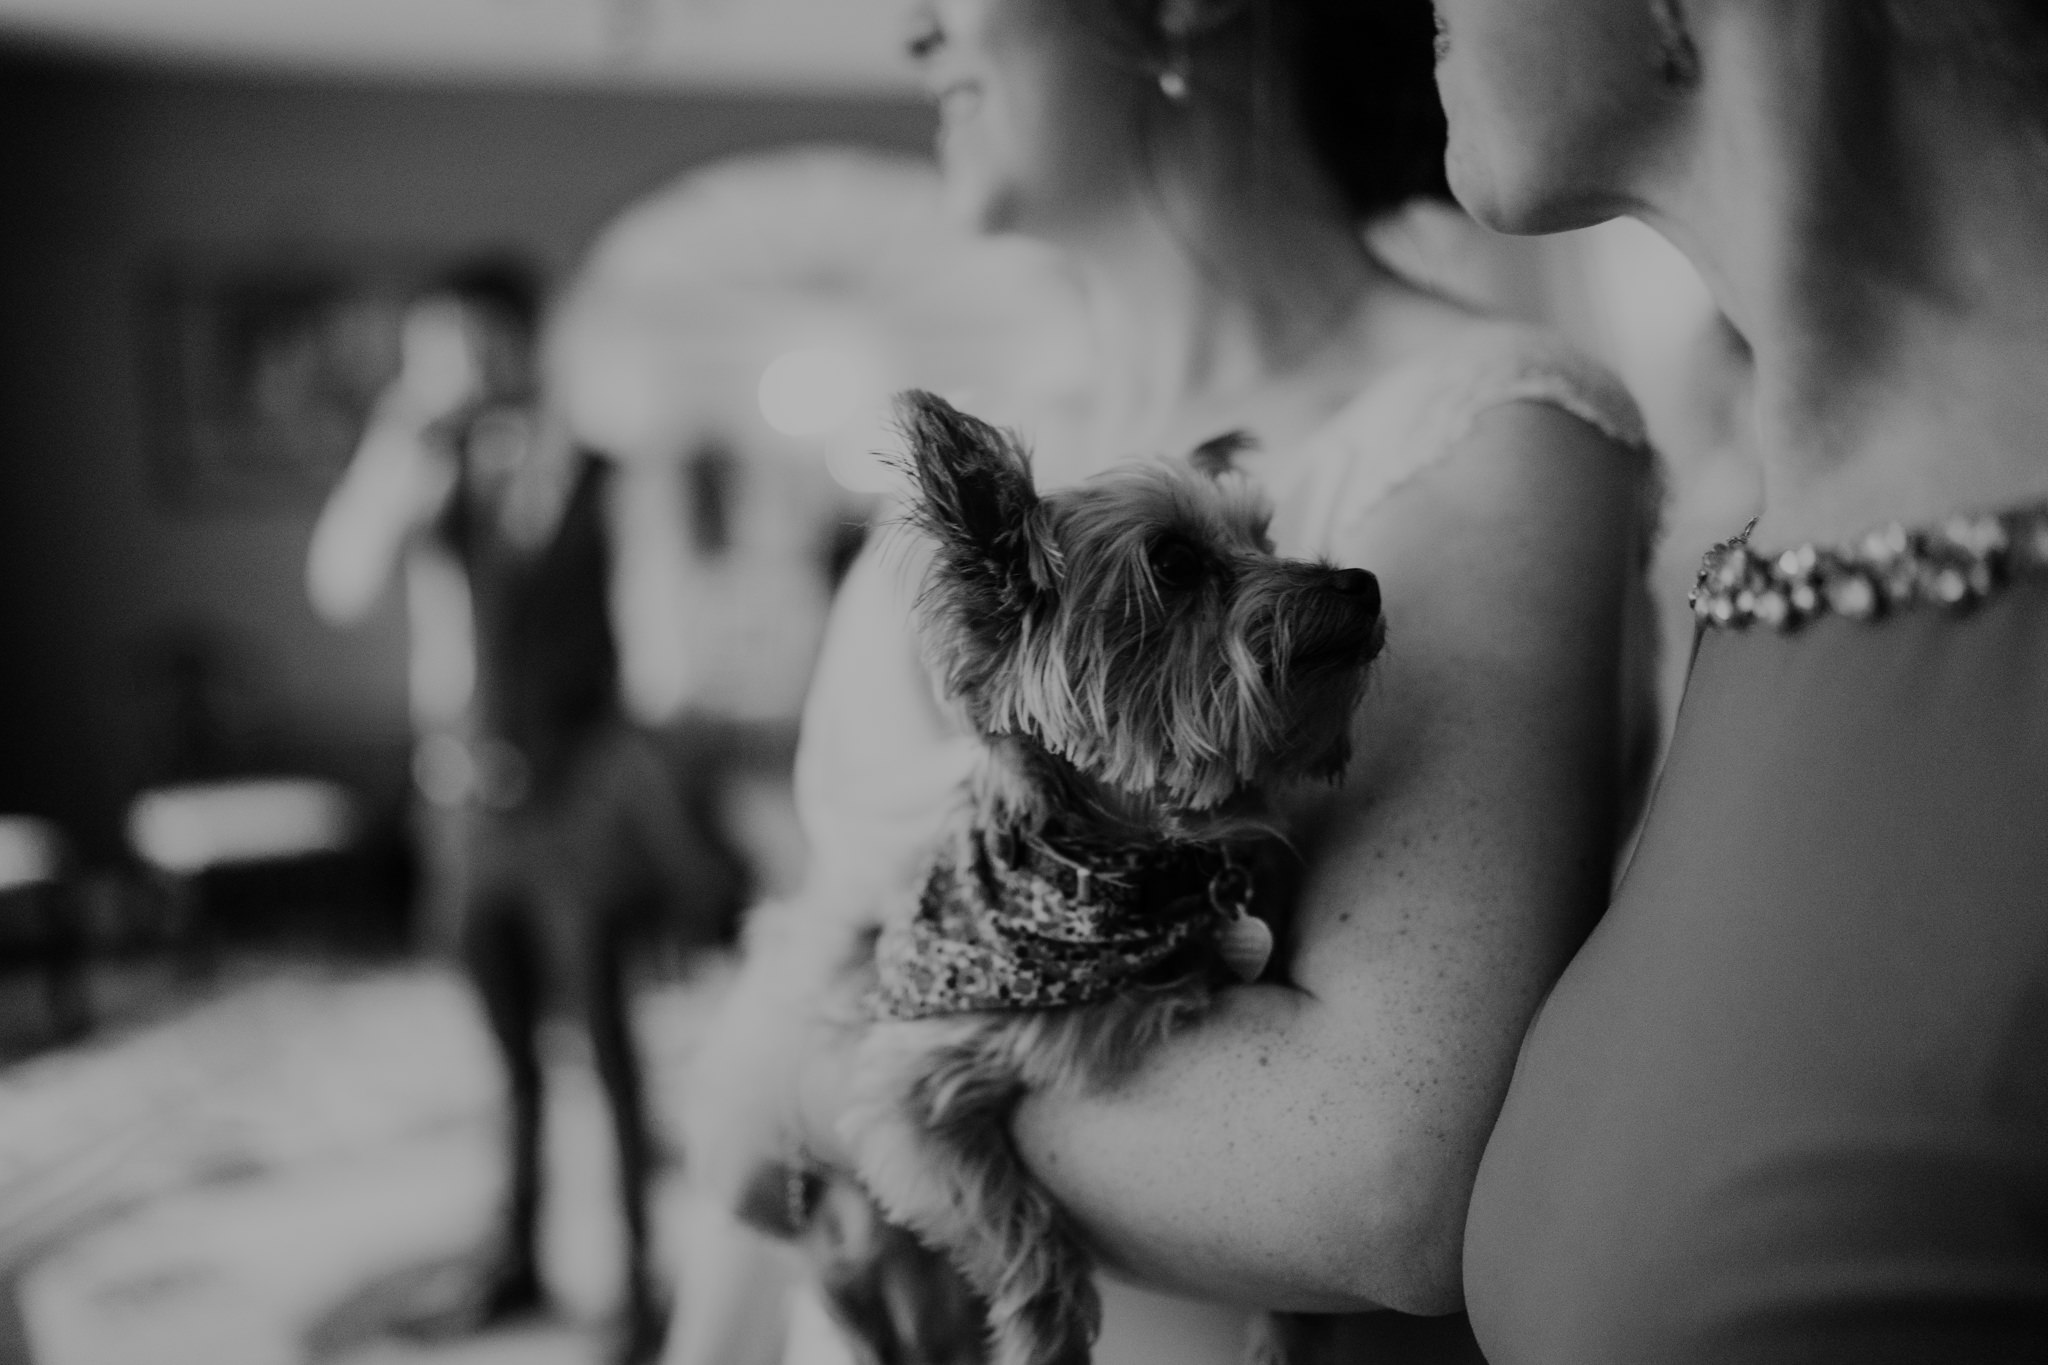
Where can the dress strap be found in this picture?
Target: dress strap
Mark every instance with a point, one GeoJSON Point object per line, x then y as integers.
{"type": "Point", "coordinates": [1412, 416]}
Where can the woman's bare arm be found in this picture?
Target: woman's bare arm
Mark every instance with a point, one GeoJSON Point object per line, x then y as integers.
{"type": "Point", "coordinates": [1312, 1146]}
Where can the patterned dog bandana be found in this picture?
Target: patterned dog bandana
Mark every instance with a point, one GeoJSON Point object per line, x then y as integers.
{"type": "Point", "coordinates": [1011, 922]}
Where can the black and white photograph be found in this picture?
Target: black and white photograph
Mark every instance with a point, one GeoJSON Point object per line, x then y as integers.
{"type": "Point", "coordinates": [1023, 682]}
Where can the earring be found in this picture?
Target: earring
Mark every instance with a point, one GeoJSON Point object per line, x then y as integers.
{"type": "Point", "coordinates": [1173, 73]}
{"type": "Point", "coordinates": [1678, 60]}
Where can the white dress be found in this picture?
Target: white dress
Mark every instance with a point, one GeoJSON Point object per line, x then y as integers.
{"type": "Point", "coordinates": [880, 764]}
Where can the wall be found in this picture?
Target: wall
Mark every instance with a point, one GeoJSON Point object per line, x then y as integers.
{"type": "Point", "coordinates": [103, 170]}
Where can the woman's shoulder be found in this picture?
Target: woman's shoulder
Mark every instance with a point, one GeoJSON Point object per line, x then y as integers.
{"type": "Point", "coordinates": [1457, 369]}
{"type": "Point", "coordinates": [1463, 365]}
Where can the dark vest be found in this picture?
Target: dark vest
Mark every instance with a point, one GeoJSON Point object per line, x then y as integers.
{"type": "Point", "coordinates": [547, 664]}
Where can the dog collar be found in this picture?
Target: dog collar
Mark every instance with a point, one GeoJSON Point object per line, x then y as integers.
{"type": "Point", "coordinates": [1012, 921]}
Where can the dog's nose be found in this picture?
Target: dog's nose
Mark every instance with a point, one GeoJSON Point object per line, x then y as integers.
{"type": "Point", "coordinates": [1358, 585]}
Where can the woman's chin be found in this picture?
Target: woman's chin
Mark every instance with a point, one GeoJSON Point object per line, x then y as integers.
{"type": "Point", "coordinates": [974, 205]}
{"type": "Point", "coordinates": [1522, 203]}
{"type": "Point", "coordinates": [1478, 188]}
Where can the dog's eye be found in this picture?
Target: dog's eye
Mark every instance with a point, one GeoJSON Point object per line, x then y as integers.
{"type": "Point", "coordinates": [1175, 564]}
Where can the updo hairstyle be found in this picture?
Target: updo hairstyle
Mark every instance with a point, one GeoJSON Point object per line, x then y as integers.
{"type": "Point", "coordinates": [1365, 80]}
{"type": "Point", "coordinates": [1359, 75]}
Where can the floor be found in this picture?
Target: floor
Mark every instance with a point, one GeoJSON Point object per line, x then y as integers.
{"type": "Point", "coordinates": [266, 1170]}
{"type": "Point", "coordinates": [255, 1170]}
{"type": "Point", "coordinates": [245, 1181]}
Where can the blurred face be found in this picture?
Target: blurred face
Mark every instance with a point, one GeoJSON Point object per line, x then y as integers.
{"type": "Point", "coordinates": [1553, 106]}
{"type": "Point", "coordinates": [453, 354]}
{"type": "Point", "coordinates": [1040, 103]}
{"type": "Point", "coordinates": [504, 351]}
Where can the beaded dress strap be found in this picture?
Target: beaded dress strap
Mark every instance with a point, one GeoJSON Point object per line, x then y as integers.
{"type": "Point", "coordinates": [1892, 568]}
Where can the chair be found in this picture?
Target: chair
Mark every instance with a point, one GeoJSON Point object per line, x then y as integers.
{"type": "Point", "coordinates": [185, 832]}
{"type": "Point", "coordinates": [38, 918]}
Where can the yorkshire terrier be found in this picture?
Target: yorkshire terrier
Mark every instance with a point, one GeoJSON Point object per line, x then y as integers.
{"type": "Point", "coordinates": [1145, 675]}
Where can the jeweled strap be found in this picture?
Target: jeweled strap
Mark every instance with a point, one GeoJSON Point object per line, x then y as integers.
{"type": "Point", "coordinates": [1893, 568]}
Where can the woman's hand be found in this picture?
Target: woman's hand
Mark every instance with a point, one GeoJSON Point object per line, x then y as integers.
{"type": "Point", "coordinates": [767, 1081]}
{"type": "Point", "coordinates": [401, 476]}
{"type": "Point", "coordinates": [825, 1070]}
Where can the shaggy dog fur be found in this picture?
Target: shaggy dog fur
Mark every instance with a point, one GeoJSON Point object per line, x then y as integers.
{"type": "Point", "coordinates": [1144, 673]}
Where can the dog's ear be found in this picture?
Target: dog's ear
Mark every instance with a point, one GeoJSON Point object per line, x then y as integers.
{"type": "Point", "coordinates": [974, 496]}
{"type": "Point", "coordinates": [1214, 456]}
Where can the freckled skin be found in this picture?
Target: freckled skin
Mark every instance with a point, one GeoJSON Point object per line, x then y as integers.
{"type": "Point", "coordinates": [1350, 1105]}
{"type": "Point", "coordinates": [1311, 1144]}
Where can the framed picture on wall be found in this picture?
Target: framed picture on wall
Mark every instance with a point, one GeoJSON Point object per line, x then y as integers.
{"type": "Point", "coordinates": [260, 370]}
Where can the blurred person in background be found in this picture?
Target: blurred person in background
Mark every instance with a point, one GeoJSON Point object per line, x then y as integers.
{"type": "Point", "coordinates": [1208, 166]}
{"type": "Point", "coordinates": [554, 830]}
{"type": "Point", "coordinates": [1790, 1101]}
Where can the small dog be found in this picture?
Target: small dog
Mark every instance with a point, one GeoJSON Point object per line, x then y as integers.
{"type": "Point", "coordinates": [1145, 673]}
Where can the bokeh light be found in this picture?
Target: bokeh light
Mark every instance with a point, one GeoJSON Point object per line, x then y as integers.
{"type": "Point", "coordinates": [815, 389]}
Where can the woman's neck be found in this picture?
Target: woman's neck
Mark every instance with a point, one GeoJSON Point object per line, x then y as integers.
{"type": "Point", "coordinates": [1883, 245]}
{"type": "Point", "coordinates": [1201, 300]}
